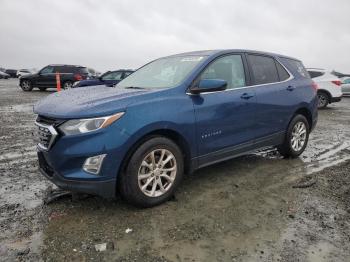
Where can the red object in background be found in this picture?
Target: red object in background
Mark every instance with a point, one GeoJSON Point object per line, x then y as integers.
{"type": "Point", "coordinates": [58, 82]}
{"type": "Point", "coordinates": [78, 77]}
{"type": "Point", "coordinates": [337, 82]}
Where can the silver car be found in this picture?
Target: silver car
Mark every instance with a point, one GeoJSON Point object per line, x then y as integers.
{"type": "Point", "coordinates": [345, 87]}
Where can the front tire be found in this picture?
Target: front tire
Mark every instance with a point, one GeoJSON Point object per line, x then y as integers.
{"type": "Point", "coordinates": [26, 85]}
{"type": "Point", "coordinates": [153, 173]}
{"type": "Point", "coordinates": [323, 99]}
{"type": "Point", "coordinates": [296, 138]}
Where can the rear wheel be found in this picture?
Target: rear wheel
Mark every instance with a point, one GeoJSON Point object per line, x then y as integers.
{"type": "Point", "coordinates": [296, 138]}
{"type": "Point", "coordinates": [67, 85]}
{"type": "Point", "coordinates": [26, 85]}
{"type": "Point", "coordinates": [323, 99]}
{"type": "Point", "coordinates": [153, 173]}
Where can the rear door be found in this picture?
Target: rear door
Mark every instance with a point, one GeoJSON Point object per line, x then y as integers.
{"type": "Point", "coordinates": [274, 94]}
{"type": "Point", "coordinates": [225, 120]}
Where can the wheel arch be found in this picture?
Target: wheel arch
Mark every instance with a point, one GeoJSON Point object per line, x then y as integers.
{"type": "Point", "coordinates": [326, 92]}
{"type": "Point", "coordinates": [171, 134]}
{"type": "Point", "coordinates": [305, 112]}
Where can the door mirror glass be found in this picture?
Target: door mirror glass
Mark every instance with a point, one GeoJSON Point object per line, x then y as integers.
{"type": "Point", "coordinates": [209, 85]}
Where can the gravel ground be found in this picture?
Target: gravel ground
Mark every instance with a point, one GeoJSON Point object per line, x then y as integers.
{"type": "Point", "coordinates": [258, 207]}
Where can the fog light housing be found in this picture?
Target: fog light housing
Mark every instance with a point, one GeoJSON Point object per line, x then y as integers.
{"type": "Point", "coordinates": [93, 164]}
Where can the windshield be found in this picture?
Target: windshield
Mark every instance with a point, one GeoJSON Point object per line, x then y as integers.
{"type": "Point", "coordinates": [162, 73]}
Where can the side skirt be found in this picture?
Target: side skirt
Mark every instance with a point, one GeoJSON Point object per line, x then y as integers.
{"type": "Point", "coordinates": [238, 150]}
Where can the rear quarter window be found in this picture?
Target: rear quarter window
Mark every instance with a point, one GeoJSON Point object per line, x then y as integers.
{"type": "Point", "coordinates": [83, 70]}
{"type": "Point", "coordinates": [296, 66]}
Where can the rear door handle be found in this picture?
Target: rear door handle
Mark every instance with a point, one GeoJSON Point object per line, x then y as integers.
{"type": "Point", "coordinates": [290, 88]}
{"type": "Point", "coordinates": [246, 96]}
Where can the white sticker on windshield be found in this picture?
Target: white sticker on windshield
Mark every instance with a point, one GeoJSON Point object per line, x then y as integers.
{"type": "Point", "coordinates": [192, 59]}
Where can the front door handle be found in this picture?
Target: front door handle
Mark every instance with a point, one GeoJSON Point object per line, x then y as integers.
{"type": "Point", "coordinates": [290, 88]}
{"type": "Point", "coordinates": [246, 96]}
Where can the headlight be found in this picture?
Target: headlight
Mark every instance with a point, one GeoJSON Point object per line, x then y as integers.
{"type": "Point", "coordinates": [80, 126]}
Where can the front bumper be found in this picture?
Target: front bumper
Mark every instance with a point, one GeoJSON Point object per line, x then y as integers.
{"type": "Point", "coordinates": [103, 188]}
{"type": "Point", "coordinates": [62, 163]}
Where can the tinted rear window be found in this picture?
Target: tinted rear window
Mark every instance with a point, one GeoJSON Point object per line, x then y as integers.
{"type": "Point", "coordinates": [296, 65]}
{"type": "Point", "coordinates": [264, 69]}
{"type": "Point", "coordinates": [82, 70]}
{"type": "Point", "coordinates": [314, 74]}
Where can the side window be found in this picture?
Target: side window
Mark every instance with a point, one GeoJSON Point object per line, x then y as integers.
{"type": "Point", "coordinates": [47, 70]}
{"type": "Point", "coordinates": [113, 76]}
{"type": "Point", "coordinates": [264, 69]}
{"type": "Point", "coordinates": [229, 68]}
{"type": "Point", "coordinates": [60, 69]}
{"type": "Point", "coordinates": [282, 72]}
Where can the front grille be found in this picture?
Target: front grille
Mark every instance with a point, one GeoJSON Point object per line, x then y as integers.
{"type": "Point", "coordinates": [44, 136]}
{"type": "Point", "coordinates": [46, 133]}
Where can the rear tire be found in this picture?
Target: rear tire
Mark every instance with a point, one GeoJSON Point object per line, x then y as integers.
{"type": "Point", "coordinates": [296, 138]}
{"type": "Point", "coordinates": [323, 99]}
{"type": "Point", "coordinates": [26, 85]}
{"type": "Point", "coordinates": [153, 173]}
{"type": "Point", "coordinates": [67, 85]}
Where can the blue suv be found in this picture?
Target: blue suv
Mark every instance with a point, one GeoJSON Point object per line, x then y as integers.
{"type": "Point", "coordinates": [170, 117]}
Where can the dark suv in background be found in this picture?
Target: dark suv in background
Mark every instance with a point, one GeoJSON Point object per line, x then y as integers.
{"type": "Point", "coordinates": [46, 77]}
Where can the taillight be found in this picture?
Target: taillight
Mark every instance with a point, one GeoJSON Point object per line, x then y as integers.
{"type": "Point", "coordinates": [78, 77]}
{"type": "Point", "coordinates": [336, 82]}
{"type": "Point", "coordinates": [314, 86]}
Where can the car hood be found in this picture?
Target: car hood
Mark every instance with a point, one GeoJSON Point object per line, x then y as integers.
{"type": "Point", "coordinates": [86, 102]}
{"type": "Point", "coordinates": [29, 75]}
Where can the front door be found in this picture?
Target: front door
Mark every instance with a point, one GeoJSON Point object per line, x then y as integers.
{"type": "Point", "coordinates": [225, 120]}
{"type": "Point", "coordinates": [47, 77]}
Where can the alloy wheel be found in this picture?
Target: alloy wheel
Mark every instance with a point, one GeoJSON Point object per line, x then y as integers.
{"type": "Point", "coordinates": [298, 137]}
{"type": "Point", "coordinates": [157, 173]}
{"type": "Point", "coordinates": [26, 85]}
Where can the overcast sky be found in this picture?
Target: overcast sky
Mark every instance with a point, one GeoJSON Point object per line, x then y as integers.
{"type": "Point", "coordinates": [126, 34]}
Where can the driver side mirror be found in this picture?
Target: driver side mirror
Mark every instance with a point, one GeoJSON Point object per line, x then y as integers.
{"type": "Point", "coordinates": [209, 85]}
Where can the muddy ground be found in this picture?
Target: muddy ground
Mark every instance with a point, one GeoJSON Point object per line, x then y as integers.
{"type": "Point", "coordinates": [258, 207]}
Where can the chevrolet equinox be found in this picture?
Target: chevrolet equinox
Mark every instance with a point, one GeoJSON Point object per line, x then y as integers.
{"type": "Point", "coordinates": [170, 117]}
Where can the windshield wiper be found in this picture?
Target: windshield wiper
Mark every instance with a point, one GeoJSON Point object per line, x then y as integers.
{"type": "Point", "coordinates": [134, 87]}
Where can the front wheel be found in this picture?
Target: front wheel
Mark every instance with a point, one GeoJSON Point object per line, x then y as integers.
{"type": "Point", "coordinates": [26, 85]}
{"type": "Point", "coordinates": [296, 138]}
{"type": "Point", "coordinates": [153, 173]}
